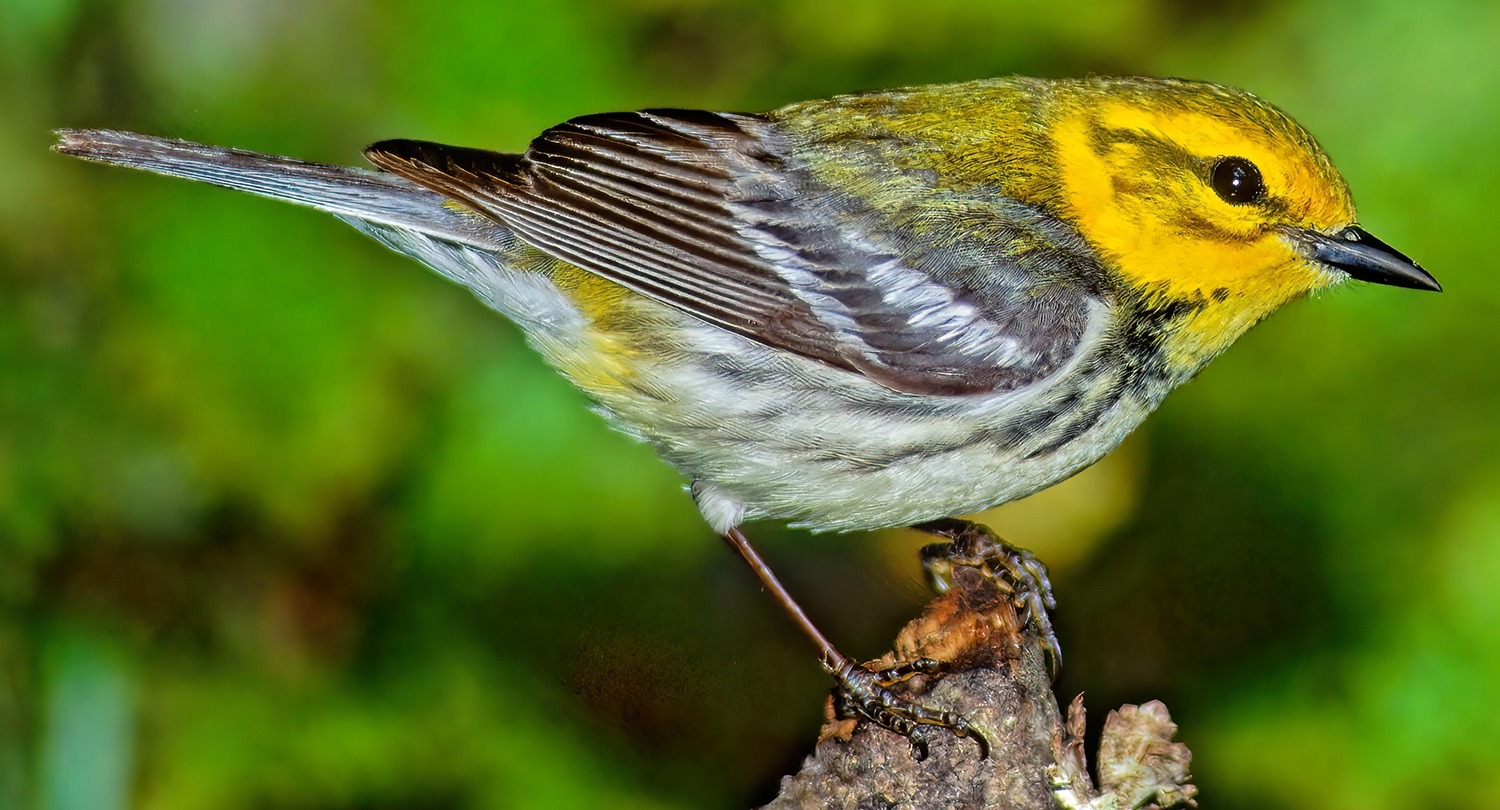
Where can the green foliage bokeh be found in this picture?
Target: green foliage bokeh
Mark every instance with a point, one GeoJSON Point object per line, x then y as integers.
{"type": "Point", "coordinates": [287, 522]}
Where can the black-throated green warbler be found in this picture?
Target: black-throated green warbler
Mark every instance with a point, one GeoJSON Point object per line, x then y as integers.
{"type": "Point", "coordinates": [869, 311]}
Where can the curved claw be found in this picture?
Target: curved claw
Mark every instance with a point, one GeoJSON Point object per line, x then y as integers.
{"type": "Point", "coordinates": [963, 729]}
{"type": "Point", "coordinates": [918, 739]}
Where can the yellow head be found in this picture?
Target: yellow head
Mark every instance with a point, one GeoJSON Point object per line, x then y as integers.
{"type": "Point", "coordinates": [1208, 201]}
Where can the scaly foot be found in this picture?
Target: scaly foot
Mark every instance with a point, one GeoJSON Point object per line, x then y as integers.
{"type": "Point", "coordinates": [865, 695]}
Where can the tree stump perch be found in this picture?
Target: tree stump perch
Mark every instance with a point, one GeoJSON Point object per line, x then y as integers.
{"type": "Point", "coordinates": [999, 681]}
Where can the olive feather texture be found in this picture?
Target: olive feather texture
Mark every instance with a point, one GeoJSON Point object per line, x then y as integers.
{"type": "Point", "coordinates": [872, 310]}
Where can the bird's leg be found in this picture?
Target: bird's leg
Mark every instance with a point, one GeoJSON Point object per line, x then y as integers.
{"type": "Point", "coordinates": [861, 693]}
{"type": "Point", "coordinates": [974, 546]}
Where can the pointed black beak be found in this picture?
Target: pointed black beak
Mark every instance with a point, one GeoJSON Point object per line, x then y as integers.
{"type": "Point", "coordinates": [1354, 251]}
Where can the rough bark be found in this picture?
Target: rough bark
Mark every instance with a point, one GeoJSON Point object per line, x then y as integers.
{"type": "Point", "coordinates": [999, 681]}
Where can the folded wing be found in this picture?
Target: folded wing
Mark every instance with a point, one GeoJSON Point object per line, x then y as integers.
{"type": "Point", "coordinates": [716, 214]}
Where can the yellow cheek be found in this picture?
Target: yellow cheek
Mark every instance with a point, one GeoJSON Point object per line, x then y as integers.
{"type": "Point", "coordinates": [1181, 265]}
{"type": "Point", "coordinates": [1304, 182]}
{"type": "Point", "coordinates": [1146, 239]}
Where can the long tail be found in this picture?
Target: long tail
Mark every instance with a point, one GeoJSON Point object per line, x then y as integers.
{"type": "Point", "coordinates": [361, 196]}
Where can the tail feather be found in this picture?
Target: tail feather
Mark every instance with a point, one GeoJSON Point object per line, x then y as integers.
{"type": "Point", "coordinates": [375, 197]}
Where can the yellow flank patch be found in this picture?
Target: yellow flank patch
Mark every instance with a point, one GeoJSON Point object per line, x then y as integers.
{"type": "Point", "coordinates": [598, 298]}
{"type": "Point", "coordinates": [605, 306]}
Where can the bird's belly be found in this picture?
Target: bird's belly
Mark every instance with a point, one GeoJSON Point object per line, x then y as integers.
{"type": "Point", "coordinates": [837, 464]}
{"type": "Point", "coordinates": [766, 434]}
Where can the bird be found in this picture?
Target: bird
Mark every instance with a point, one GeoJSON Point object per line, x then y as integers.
{"type": "Point", "coordinates": [880, 309]}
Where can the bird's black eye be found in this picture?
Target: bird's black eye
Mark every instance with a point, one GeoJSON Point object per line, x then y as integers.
{"type": "Point", "coordinates": [1237, 181]}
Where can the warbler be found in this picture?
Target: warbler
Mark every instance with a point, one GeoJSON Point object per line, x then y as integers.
{"type": "Point", "coordinates": [874, 310]}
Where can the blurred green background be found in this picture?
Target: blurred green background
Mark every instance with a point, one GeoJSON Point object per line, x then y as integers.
{"type": "Point", "coordinates": [287, 522]}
